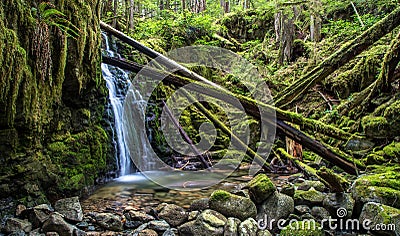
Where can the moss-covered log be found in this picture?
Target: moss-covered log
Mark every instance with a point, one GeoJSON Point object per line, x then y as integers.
{"type": "Point", "coordinates": [339, 58]}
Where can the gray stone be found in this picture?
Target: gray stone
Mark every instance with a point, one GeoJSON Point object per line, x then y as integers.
{"type": "Point", "coordinates": [15, 224]}
{"type": "Point", "coordinates": [276, 207]}
{"type": "Point", "coordinates": [334, 201]}
{"type": "Point", "coordinates": [56, 223]}
{"type": "Point", "coordinates": [38, 214]}
{"type": "Point", "coordinates": [248, 227]}
{"type": "Point", "coordinates": [231, 227]}
{"type": "Point", "coordinates": [209, 222]}
{"type": "Point", "coordinates": [379, 214]}
{"type": "Point", "coordinates": [147, 232]}
{"type": "Point", "coordinates": [288, 189]}
{"type": "Point", "coordinates": [231, 205]}
{"type": "Point", "coordinates": [170, 232]}
{"type": "Point", "coordinates": [320, 213]}
{"type": "Point", "coordinates": [302, 209]}
{"type": "Point", "coordinates": [264, 233]}
{"type": "Point", "coordinates": [193, 215]}
{"type": "Point", "coordinates": [308, 184]}
{"type": "Point", "coordinates": [199, 204]}
{"type": "Point", "coordinates": [158, 225]}
{"type": "Point", "coordinates": [138, 216]}
{"type": "Point", "coordinates": [307, 216]}
{"type": "Point", "coordinates": [70, 208]}
{"type": "Point", "coordinates": [173, 214]}
{"type": "Point", "coordinates": [109, 221]}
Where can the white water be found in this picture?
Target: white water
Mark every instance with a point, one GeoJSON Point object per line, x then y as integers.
{"type": "Point", "coordinates": [118, 83]}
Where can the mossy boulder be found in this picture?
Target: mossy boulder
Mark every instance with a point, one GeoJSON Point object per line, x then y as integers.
{"type": "Point", "coordinates": [310, 197]}
{"type": "Point", "coordinates": [303, 228]}
{"type": "Point", "coordinates": [231, 205]}
{"type": "Point", "coordinates": [383, 187]}
{"type": "Point", "coordinates": [379, 214]}
{"type": "Point", "coordinates": [260, 188]}
{"type": "Point", "coordinates": [375, 127]}
{"type": "Point", "coordinates": [277, 206]}
{"type": "Point", "coordinates": [209, 222]}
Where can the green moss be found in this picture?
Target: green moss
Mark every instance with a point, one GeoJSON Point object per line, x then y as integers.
{"type": "Point", "coordinates": [303, 228]}
{"type": "Point", "coordinates": [220, 195]}
{"type": "Point", "coordinates": [260, 188]}
{"type": "Point", "coordinates": [375, 126]}
{"type": "Point", "coordinates": [310, 196]}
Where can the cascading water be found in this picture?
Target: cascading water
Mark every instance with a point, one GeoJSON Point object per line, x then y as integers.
{"type": "Point", "coordinates": [118, 83]}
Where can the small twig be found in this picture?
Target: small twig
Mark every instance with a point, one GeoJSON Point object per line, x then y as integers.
{"type": "Point", "coordinates": [358, 16]}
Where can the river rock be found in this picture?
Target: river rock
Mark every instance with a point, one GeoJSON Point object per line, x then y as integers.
{"type": "Point", "coordinates": [308, 184]}
{"type": "Point", "coordinates": [170, 232]}
{"type": "Point", "coordinates": [276, 207]}
{"type": "Point", "coordinates": [138, 216]}
{"type": "Point", "coordinates": [303, 228]}
{"type": "Point", "coordinates": [320, 213]}
{"type": "Point", "coordinates": [310, 198]}
{"type": "Point", "coordinates": [147, 232]}
{"type": "Point", "coordinates": [334, 201]}
{"type": "Point", "coordinates": [260, 188]}
{"type": "Point", "coordinates": [15, 224]}
{"type": "Point", "coordinates": [302, 209]}
{"type": "Point", "coordinates": [288, 189]}
{"type": "Point", "coordinates": [379, 214]}
{"type": "Point", "coordinates": [173, 214]}
{"type": "Point", "coordinates": [109, 221]}
{"type": "Point", "coordinates": [70, 208]}
{"type": "Point", "coordinates": [248, 227]}
{"type": "Point", "coordinates": [209, 222]}
{"type": "Point", "coordinates": [231, 227]}
{"type": "Point", "coordinates": [200, 204]}
{"type": "Point", "coordinates": [381, 188]}
{"type": "Point", "coordinates": [232, 205]}
{"type": "Point", "coordinates": [56, 223]}
{"type": "Point", "coordinates": [158, 225]}
{"type": "Point", "coordinates": [264, 232]}
{"type": "Point", "coordinates": [37, 215]}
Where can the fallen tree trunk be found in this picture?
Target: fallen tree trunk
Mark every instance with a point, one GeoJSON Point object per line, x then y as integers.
{"type": "Point", "coordinates": [250, 106]}
{"type": "Point", "coordinates": [349, 51]}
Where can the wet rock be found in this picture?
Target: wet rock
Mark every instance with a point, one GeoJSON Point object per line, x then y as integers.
{"type": "Point", "coordinates": [199, 204]}
{"type": "Point", "coordinates": [170, 232]}
{"type": "Point", "coordinates": [302, 228]}
{"type": "Point", "coordinates": [264, 233]}
{"type": "Point", "coordinates": [288, 189]}
{"type": "Point", "coordinates": [15, 224]}
{"type": "Point", "coordinates": [231, 227]}
{"type": "Point", "coordinates": [173, 214]}
{"type": "Point", "coordinates": [38, 214]}
{"type": "Point", "coordinates": [138, 216]}
{"type": "Point", "coordinates": [320, 213]}
{"type": "Point", "coordinates": [308, 184]}
{"type": "Point", "coordinates": [302, 209]}
{"type": "Point", "coordinates": [158, 225]}
{"type": "Point", "coordinates": [147, 232]}
{"type": "Point", "coordinates": [56, 223]}
{"type": "Point", "coordinates": [260, 188]}
{"type": "Point", "coordinates": [19, 209]}
{"type": "Point", "coordinates": [248, 227]}
{"type": "Point", "coordinates": [132, 224]}
{"type": "Point", "coordinates": [334, 201]}
{"type": "Point", "coordinates": [209, 222]}
{"type": "Point", "coordinates": [276, 207]}
{"type": "Point", "coordinates": [36, 232]}
{"type": "Point", "coordinates": [70, 208]}
{"type": "Point", "coordinates": [193, 215]}
{"type": "Point", "coordinates": [310, 198]}
{"type": "Point", "coordinates": [307, 216]}
{"type": "Point", "coordinates": [382, 215]}
{"type": "Point", "coordinates": [109, 221]}
{"type": "Point", "coordinates": [231, 205]}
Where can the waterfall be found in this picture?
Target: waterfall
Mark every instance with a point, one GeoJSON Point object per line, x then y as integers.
{"type": "Point", "coordinates": [118, 84]}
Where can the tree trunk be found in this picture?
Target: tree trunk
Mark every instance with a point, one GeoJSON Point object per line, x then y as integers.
{"type": "Point", "coordinates": [131, 16]}
{"type": "Point", "coordinates": [339, 58]}
{"type": "Point", "coordinates": [284, 31]}
{"type": "Point", "coordinates": [115, 11]}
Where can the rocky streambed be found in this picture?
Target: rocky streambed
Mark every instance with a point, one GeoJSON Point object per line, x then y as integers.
{"type": "Point", "coordinates": [290, 205]}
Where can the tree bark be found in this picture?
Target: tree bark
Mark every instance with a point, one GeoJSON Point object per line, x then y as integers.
{"type": "Point", "coordinates": [339, 58]}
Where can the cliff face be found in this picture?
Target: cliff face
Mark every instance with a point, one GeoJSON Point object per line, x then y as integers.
{"type": "Point", "coordinates": [52, 141]}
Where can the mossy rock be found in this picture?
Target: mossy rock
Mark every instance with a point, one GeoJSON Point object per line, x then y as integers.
{"type": "Point", "coordinates": [375, 127]}
{"type": "Point", "coordinates": [381, 187]}
{"type": "Point", "coordinates": [303, 228]}
{"type": "Point", "coordinates": [310, 197]}
{"type": "Point", "coordinates": [231, 205]}
{"type": "Point", "coordinates": [379, 214]}
{"type": "Point", "coordinates": [260, 188]}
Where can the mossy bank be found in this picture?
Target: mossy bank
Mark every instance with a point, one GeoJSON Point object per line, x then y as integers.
{"type": "Point", "coordinates": [53, 140]}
